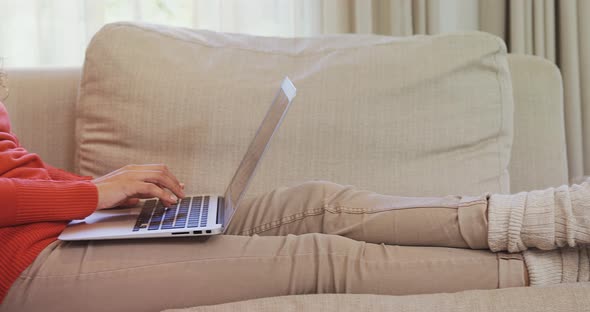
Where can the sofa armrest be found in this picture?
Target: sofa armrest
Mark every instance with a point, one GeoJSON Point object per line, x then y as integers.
{"type": "Point", "coordinates": [539, 158]}
{"type": "Point", "coordinates": [41, 105]}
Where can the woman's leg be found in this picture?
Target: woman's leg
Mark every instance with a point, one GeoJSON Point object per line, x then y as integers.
{"type": "Point", "coordinates": [544, 219]}
{"type": "Point", "coordinates": [156, 274]}
{"type": "Point", "coordinates": [324, 207]}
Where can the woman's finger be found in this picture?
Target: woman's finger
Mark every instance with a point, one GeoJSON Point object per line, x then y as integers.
{"type": "Point", "coordinates": [150, 190]}
{"type": "Point", "coordinates": [157, 177]}
{"type": "Point", "coordinates": [156, 167]}
{"type": "Point", "coordinates": [147, 167]}
{"type": "Point", "coordinates": [112, 173]}
{"type": "Point", "coordinates": [131, 202]}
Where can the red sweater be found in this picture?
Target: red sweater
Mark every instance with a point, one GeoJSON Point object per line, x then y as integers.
{"type": "Point", "coordinates": [36, 203]}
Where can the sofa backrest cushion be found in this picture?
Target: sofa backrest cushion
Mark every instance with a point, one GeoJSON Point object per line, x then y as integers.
{"type": "Point", "coordinates": [411, 116]}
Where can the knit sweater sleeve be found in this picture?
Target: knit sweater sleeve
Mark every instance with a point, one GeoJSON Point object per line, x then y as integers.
{"type": "Point", "coordinates": [29, 190]}
{"type": "Point", "coordinates": [62, 175]}
{"type": "Point", "coordinates": [28, 201]}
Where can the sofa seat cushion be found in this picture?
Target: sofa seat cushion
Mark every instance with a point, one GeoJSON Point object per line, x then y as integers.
{"type": "Point", "coordinates": [567, 297]}
{"type": "Point", "coordinates": [411, 116]}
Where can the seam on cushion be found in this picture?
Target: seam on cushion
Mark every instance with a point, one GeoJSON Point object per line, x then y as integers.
{"type": "Point", "coordinates": [326, 51]}
{"type": "Point", "coordinates": [502, 99]}
{"type": "Point", "coordinates": [129, 25]}
{"type": "Point", "coordinates": [82, 121]}
{"type": "Point", "coordinates": [313, 254]}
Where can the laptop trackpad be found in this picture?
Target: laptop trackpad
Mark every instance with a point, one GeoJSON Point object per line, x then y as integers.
{"type": "Point", "coordinates": [110, 215]}
{"type": "Point", "coordinates": [102, 223]}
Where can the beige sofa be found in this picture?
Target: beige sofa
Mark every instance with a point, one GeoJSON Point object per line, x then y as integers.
{"type": "Point", "coordinates": [46, 117]}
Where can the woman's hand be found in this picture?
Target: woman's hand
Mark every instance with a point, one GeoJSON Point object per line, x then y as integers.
{"type": "Point", "coordinates": [125, 186]}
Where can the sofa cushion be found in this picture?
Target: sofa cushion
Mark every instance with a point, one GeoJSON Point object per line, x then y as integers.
{"type": "Point", "coordinates": [539, 153]}
{"type": "Point", "coordinates": [411, 116]}
{"type": "Point", "coordinates": [566, 297]}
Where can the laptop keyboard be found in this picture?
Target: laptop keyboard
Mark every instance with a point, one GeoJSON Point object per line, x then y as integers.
{"type": "Point", "coordinates": [189, 212]}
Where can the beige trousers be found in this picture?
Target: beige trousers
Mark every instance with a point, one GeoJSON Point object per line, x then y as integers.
{"type": "Point", "coordinates": [280, 244]}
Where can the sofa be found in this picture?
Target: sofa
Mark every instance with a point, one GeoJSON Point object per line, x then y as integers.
{"type": "Point", "coordinates": [75, 119]}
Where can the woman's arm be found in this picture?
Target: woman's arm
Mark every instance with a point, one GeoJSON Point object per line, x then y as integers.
{"type": "Point", "coordinates": [28, 201]}
{"type": "Point", "coordinates": [62, 175]}
{"type": "Point", "coordinates": [31, 191]}
{"type": "Point", "coordinates": [33, 200]}
{"type": "Point", "coordinates": [28, 192]}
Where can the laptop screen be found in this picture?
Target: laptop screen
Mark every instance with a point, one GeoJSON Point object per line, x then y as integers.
{"type": "Point", "coordinates": [259, 144]}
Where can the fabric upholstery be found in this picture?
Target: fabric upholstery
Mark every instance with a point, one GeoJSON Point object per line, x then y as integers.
{"type": "Point", "coordinates": [539, 157]}
{"type": "Point", "coordinates": [538, 154]}
{"type": "Point", "coordinates": [41, 105]}
{"type": "Point", "coordinates": [572, 297]}
{"type": "Point", "coordinates": [382, 113]}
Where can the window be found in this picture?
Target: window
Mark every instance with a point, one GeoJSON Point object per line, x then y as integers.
{"type": "Point", "coordinates": [56, 32]}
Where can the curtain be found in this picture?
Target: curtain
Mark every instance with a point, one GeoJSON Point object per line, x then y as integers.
{"type": "Point", "coordinates": [560, 32]}
{"type": "Point", "coordinates": [387, 17]}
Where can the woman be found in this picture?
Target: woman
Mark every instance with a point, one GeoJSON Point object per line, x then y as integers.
{"type": "Point", "coordinates": [262, 256]}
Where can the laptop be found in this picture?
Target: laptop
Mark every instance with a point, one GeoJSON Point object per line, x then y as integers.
{"type": "Point", "coordinates": [196, 215]}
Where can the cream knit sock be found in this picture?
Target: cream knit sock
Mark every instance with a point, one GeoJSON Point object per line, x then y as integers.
{"type": "Point", "coordinates": [564, 265]}
{"type": "Point", "coordinates": [547, 219]}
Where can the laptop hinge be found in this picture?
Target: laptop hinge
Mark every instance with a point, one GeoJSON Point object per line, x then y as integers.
{"type": "Point", "coordinates": [220, 209]}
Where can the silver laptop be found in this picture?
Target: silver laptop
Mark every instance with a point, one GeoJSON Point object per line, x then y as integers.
{"type": "Point", "coordinates": [194, 215]}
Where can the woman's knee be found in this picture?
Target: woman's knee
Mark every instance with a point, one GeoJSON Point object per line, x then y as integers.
{"type": "Point", "coordinates": [318, 188]}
